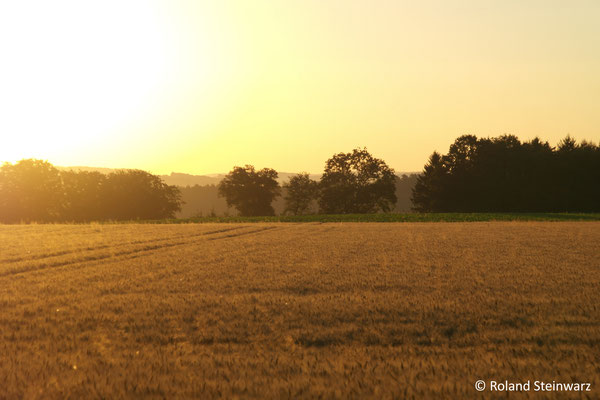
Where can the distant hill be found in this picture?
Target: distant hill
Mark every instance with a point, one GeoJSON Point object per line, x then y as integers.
{"type": "Point", "coordinates": [179, 179]}
{"type": "Point", "coordinates": [175, 178]}
{"type": "Point", "coordinates": [89, 169]}
{"type": "Point", "coordinates": [182, 179]}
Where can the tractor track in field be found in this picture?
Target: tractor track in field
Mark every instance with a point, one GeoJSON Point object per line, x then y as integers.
{"type": "Point", "coordinates": [137, 252]}
{"type": "Point", "coordinates": [243, 233]}
{"type": "Point", "coordinates": [106, 246]}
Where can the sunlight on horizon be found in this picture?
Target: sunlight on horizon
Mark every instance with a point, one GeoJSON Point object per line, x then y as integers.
{"type": "Point", "coordinates": [85, 80]}
{"type": "Point", "coordinates": [200, 86]}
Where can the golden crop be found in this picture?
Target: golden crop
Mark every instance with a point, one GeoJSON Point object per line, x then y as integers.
{"type": "Point", "coordinates": [282, 310]}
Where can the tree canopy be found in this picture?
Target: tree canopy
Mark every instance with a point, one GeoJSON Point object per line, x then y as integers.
{"type": "Point", "coordinates": [503, 174]}
{"type": "Point", "coordinates": [356, 182]}
{"type": "Point", "coordinates": [300, 192]}
{"type": "Point", "coordinates": [30, 191]}
{"type": "Point", "coordinates": [85, 196]}
{"type": "Point", "coordinates": [136, 194]}
{"type": "Point", "coordinates": [35, 191]}
{"type": "Point", "coordinates": [251, 192]}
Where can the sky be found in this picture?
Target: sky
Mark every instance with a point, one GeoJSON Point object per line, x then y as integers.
{"type": "Point", "coordinates": [199, 86]}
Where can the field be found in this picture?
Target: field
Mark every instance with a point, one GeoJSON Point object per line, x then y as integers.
{"type": "Point", "coordinates": [284, 310]}
{"type": "Point", "coordinates": [396, 217]}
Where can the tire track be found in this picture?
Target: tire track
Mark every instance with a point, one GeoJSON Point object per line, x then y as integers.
{"type": "Point", "coordinates": [137, 252]}
{"type": "Point", "coordinates": [97, 257]}
{"type": "Point", "coordinates": [77, 266]}
{"type": "Point", "coordinates": [13, 260]}
{"type": "Point", "coordinates": [243, 233]}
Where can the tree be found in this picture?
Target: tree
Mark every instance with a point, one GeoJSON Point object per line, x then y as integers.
{"type": "Point", "coordinates": [428, 194]}
{"type": "Point", "coordinates": [136, 194]}
{"type": "Point", "coordinates": [357, 182]}
{"type": "Point", "coordinates": [83, 196]}
{"type": "Point", "coordinates": [251, 192]}
{"type": "Point", "coordinates": [300, 192]}
{"type": "Point", "coordinates": [578, 173]}
{"type": "Point", "coordinates": [35, 191]}
{"type": "Point", "coordinates": [503, 174]}
{"type": "Point", "coordinates": [30, 191]}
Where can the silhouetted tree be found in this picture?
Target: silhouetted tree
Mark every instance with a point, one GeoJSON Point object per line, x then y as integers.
{"type": "Point", "coordinates": [30, 191]}
{"type": "Point", "coordinates": [356, 182]}
{"type": "Point", "coordinates": [503, 174]}
{"type": "Point", "coordinates": [251, 192]}
{"type": "Point", "coordinates": [301, 191]}
{"type": "Point", "coordinates": [84, 196]}
{"type": "Point", "coordinates": [135, 194]}
{"type": "Point", "coordinates": [35, 191]}
{"type": "Point", "coordinates": [428, 193]}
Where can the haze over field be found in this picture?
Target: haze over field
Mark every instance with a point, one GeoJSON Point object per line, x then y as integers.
{"type": "Point", "coordinates": [181, 179]}
{"type": "Point", "coordinates": [200, 86]}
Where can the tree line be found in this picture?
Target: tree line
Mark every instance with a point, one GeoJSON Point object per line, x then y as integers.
{"type": "Point", "coordinates": [36, 191]}
{"type": "Point", "coordinates": [503, 174]}
{"type": "Point", "coordinates": [204, 200]}
{"type": "Point", "coordinates": [354, 182]}
{"type": "Point", "coordinates": [500, 174]}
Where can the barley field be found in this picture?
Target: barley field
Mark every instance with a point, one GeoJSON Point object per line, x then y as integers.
{"type": "Point", "coordinates": [307, 310]}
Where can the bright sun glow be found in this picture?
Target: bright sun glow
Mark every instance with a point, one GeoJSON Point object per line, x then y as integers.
{"type": "Point", "coordinates": [199, 86]}
{"type": "Point", "coordinates": [75, 73]}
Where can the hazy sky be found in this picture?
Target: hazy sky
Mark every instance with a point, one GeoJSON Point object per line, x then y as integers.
{"type": "Point", "coordinates": [199, 86]}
